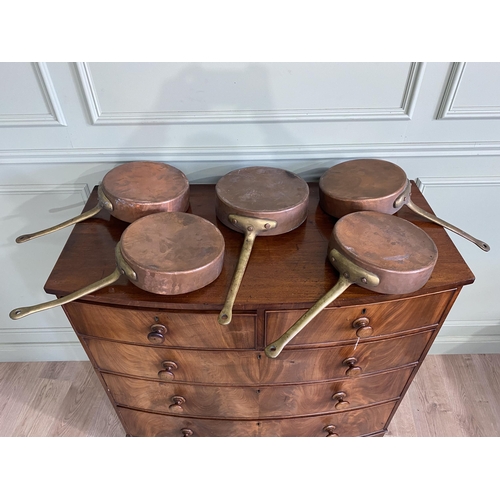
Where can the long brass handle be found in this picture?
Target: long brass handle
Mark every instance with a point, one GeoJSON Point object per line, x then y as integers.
{"type": "Point", "coordinates": [103, 203]}
{"type": "Point", "coordinates": [349, 273]}
{"type": "Point", "coordinates": [274, 349]}
{"type": "Point", "coordinates": [85, 215]}
{"type": "Point", "coordinates": [122, 267]}
{"type": "Point", "coordinates": [481, 244]}
{"type": "Point", "coordinates": [21, 312]}
{"type": "Point", "coordinates": [405, 199]}
{"type": "Point", "coordinates": [252, 228]}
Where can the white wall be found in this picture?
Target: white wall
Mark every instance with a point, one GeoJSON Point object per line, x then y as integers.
{"type": "Point", "coordinates": [64, 125]}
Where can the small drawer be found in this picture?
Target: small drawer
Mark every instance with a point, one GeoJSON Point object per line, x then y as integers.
{"type": "Point", "coordinates": [157, 327]}
{"type": "Point", "coordinates": [346, 424]}
{"type": "Point", "coordinates": [257, 401]}
{"type": "Point", "coordinates": [364, 321]}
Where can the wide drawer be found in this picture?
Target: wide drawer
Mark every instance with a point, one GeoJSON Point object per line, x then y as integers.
{"type": "Point", "coordinates": [142, 326]}
{"type": "Point", "coordinates": [344, 324]}
{"type": "Point", "coordinates": [254, 367]}
{"type": "Point", "coordinates": [257, 401]}
{"type": "Point", "coordinates": [346, 424]}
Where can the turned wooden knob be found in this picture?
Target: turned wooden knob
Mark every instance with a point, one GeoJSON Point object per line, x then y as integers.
{"type": "Point", "coordinates": [187, 432]}
{"type": "Point", "coordinates": [341, 402]}
{"type": "Point", "coordinates": [329, 430]}
{"type": "Point", "coordinates": [167, 372]}
{"type": "Point", "coordinates": [353, 370]}
{"type": "Point", "coordinates": [157, 334]}
{"type": "Point", "coordinates": [362, 328]}
{"type": "Point", "coordinates": [177, 402]}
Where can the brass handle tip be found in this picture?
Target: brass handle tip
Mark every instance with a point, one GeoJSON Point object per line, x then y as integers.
{"type": "Point", "coordinates": [272, 351]}
{"type": "Point", "coordinates": [23, 238]}
{"type": "Point", "coordinates": [225, 318]}
{"type": "Point", "coordinates": [17, 313]}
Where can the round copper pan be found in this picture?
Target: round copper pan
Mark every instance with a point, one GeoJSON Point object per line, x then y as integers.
{"type": "Point", "coordinates": [256, 201]}
{"type": "Point", "coordinates": [167, 253]}
{"type": "Point", "coordinates": [134, 190]}
{"type": "Point", "coordinates": [379, 252]}
{"type": "Point", "coordinates": [263, 193]}
{"type": "Point", "coordinates": [376, 185]}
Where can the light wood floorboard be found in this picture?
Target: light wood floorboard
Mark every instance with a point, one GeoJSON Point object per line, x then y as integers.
{"type": "Point", "coordinates": [452, 395]}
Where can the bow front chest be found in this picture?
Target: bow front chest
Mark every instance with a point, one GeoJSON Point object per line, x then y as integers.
{"type": "Point", "coordinates": [170, 369]}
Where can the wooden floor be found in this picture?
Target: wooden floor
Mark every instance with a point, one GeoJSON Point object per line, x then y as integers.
{"type": "Point", "coordinates": [452, 395]}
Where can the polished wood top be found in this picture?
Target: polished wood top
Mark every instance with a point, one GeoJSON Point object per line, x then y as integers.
{"type": "Point", "coordinates": [286, 271]}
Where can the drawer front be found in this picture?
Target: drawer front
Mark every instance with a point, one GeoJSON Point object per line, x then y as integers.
{"type": "Point", "coordinates": [352, 361]}
{"type": "Point", "coordinates": [254, 367]}
{"type": "Point", "coordinates": [155, 327]}
{"type": "Point", "coordinates": [257, 401]}
{"type": "Point", "coordinates": [345, 424]}
{"type": "Point", "coordinates": [176, 365]}
{"type": "Point", "coordinates": [349, 323]}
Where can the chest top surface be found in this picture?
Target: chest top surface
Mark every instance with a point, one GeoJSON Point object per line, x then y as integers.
{"type": "Point", "coordinates": [286, 271]}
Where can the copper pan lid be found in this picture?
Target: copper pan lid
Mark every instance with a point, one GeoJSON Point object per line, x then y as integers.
{"type": "Point", "coordinates": [140, 188]}
{"type": "Point", "coordinates": [173, 252]}
{"type": "Point", "coordinates": [401, 254]}
{"type": "Point", "coordinates": [361, 185]}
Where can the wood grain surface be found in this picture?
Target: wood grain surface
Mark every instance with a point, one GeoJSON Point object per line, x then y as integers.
{"type": "Point", "coordinates": [451, 396]}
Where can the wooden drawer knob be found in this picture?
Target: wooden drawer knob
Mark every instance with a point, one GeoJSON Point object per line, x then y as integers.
{"type": "Point", "coordinates": [353, 370]}
{"type": "Point", "coordinates": [157, 334]}
{"type": "Point", "coordinates": [341, 402]}
{"type": "Point", "coordinates": [329, 430]}
{"type": "Point", "coordinates": [167, 372]}
{"type": "Point", "coordinates": [177, 402]}
{"type": "Point", "coordinates": [362, 328]}
{"type": "Point", "coordinates": [187, 432]}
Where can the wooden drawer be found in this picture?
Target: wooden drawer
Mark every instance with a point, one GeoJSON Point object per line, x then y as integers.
{"type": "Point", "coordinates": [336, 324]}
{"type": "Point", "coordinates": [326, 363]}
{"type": "Point", "coordinates": [347, 424]}
{"type": "Point", "coordinates": [254, 367]}
{"type": "Point", "coordinates": [256, 401]}
{"type": "Point", "coordinates": [196, 330]}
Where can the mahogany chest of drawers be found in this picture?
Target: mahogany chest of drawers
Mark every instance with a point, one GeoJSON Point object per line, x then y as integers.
{"type": "Point", "coordinates": [170, 369]}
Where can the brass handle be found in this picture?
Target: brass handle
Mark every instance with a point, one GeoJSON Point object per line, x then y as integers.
{"type": "Point", "coordinates": [341, 402]}
{"type": "Point", "coordinates": [251, 227]}
{"type": "Point", "coordinates": [404, 198]}
{"type": "Point", "coordinates": [21, 312]}
{"type": "Point", "coordinates": [273, 349]}
{"type": "Point", "coordinates": [349, 273]}
{"type": "Point", "coordinates": [187, 432]}
{"type": "Point", "coordinates": [103, 203]}
{"type": "Point", "coordinates": [121, 268]}
{"type": "Point", "coordinates": [157, 334]}
{"type": "Point", "coordinates": [329, 430]}
{"type": "Point", "coordinates": [167, 372]}
{"type": "Point", "coordinates": [353, 370]}
{"type": "Point", "coordinates": [177, 402]}
{"type": "Point", "coordinates": [362, 328]}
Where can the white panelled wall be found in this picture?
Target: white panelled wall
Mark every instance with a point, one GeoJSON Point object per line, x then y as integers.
{"type": "Point", "coordinates": [64, 125]}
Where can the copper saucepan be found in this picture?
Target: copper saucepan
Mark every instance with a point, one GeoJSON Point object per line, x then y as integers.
{"type": "Point", "coordinates": [377, 251]}
{"type": "Point", "coordinates": [131, 191]}
{"type": "Point", "coordinates": [376, 185]}
{"type": "Point", "coordinates": [263, 201]}
{"type": "Point", "coordinates": [167, 253]}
